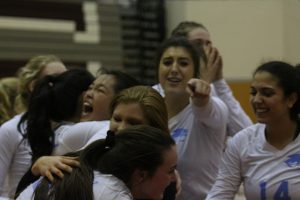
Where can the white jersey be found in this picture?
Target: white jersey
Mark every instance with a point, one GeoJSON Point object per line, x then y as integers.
{"type": "Point", "coordinates": [101, 134]}
{"type": "Point", "coordinates": [15, 157]}
{"type": "Point", "coordinates": [266, 172]}
{"type": "Point", "coordinates": [199, 133]}
{"type": "Point", "coordinates": [15, 152]}
{"type": "Point", "coordinates": [238, 119]}
{"type": "Point", "coordinates": [72, 137]}
{"type": "Point", "coordinates": [105, 187]}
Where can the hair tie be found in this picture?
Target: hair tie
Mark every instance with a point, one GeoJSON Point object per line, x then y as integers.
{"type": "Point", "coordinates": [109, 140]}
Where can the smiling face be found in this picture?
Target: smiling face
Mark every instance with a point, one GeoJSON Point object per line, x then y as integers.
{"type": "Point", "coordinates": [176, 68]}
{"type": "Point", "coordinates": [153, 186]}
{"type": "Point", "coordinates": [267, 99]}
{"type": "Point", "coordinates": [126, 115]}
{"type": "Point", "coordinates": [97, 98]}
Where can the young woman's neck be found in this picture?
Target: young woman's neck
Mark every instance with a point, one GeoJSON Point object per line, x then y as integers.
{"type": "Point", "coordinates": [281, 134]}
{"type": "Point", "coordinates": [175, 104]}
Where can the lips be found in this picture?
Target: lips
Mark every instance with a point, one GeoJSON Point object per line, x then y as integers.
{"type": "Point", "coordinates": [261, 110]}
{"type": "Point", "coordinates": [87, 108]}
{"type": "Point", "coordinates": [174, 79]}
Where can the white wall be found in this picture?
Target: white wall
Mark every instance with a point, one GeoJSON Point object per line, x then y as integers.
{"type": "Point", "coordinates": [247, 32]}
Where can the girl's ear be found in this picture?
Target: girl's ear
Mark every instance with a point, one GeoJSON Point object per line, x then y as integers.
{"type": "Point", "coordinates": [138, 176]}
{"type": "Point", "coordinates": [292, 99]}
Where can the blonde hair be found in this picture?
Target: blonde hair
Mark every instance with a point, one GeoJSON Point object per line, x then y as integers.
{"type": "Point", "coordinates": [8, 93]}
{"type": "Point", "coordinates": [31, 72]}
{"type": "Point", "coordinates": [151, 102]}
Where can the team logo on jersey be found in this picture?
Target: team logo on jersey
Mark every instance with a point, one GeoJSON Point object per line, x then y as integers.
{"type": "Point", "coordinates": [293, 160]}
{"type": "Point", "coordinates": [179, 134]}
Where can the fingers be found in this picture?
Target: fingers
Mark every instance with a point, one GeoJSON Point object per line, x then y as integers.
{"type": "Point", "coordinates": [48, 174]}
{"type": "Point", "coordinates": [57, 172]}
{"type": "Point", "coordinates": [199, 91]}
{"type": "Point", "coordinates": [51, 166]}
{"type": "Point", "coordinates": [212, 70]}
{"type": "Point", "coordinates": [198, 88]}
{"type": "Point", "coordinates": [71, 161]}
{"type": "Point", "coordinates": [64, 167]}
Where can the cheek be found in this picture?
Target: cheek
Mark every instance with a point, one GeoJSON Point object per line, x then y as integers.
{"type": "Point", "coordinates": [113, 126]}
{"type": "Point", "coordinates": [190, 72]}
{"type": "Point", "coordinates": [154, 188]}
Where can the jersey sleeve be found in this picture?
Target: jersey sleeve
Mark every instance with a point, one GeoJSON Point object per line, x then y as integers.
{"type": "Point", "coordinates": [238, 119]}
{"type": "Point", "coordinates": [7, 149]}
{"type": "Point", "coordinates": [213, 113]}
{"type": "Point", "coordinates": [229, 176]}
{"type": "Point", "coordinates": [79, 134]}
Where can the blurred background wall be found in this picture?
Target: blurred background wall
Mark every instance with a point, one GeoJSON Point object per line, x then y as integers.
{"type": "Point", "coordinates": [124, 34]}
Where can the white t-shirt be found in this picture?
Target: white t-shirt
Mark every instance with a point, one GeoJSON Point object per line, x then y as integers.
{"type": "Point", "coordinates": [105, 187]}
{"type": "Point", "coordinates": [15, 152]}
{"type": "Point", "coordinates": [237, 118]}
{"type": "Point", "coordinates": [199, 133]}
{"type": "Point", "coordinates": [266, 172]}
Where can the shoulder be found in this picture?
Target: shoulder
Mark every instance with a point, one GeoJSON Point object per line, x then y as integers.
{"type": "Point", "coordinates": [252, 134]}
{"type": "Point", "coordinates": [92, 124]}
{"type": "Point", "coordinates": [12, 123]}
{"type": "Point", "coordinates": [107, 186]}
{"type": "Point", "coordinates": [10, 128]}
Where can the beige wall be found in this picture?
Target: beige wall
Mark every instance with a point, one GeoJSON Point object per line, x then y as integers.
{"type": "Point", "coordinates": [292, 31]}
{"type": "Point", "coordinates": [247, 32]}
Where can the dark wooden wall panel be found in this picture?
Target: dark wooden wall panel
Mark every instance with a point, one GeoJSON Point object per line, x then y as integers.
{"type": "Point", "coordinates": [19, 44]}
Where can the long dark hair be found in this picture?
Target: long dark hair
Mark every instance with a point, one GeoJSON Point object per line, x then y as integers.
{"type": "Point", "coordinates": [54, 99]}
{"type": "Point", "coordinates": [288, 79]}
{"type": "Point", "coordinates": [138, 147]}
{"type": "Point", "coordinates": [183, 43]}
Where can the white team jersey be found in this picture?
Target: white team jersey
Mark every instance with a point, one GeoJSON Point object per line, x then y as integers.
{"type": "Point", "coordinates": [237, 118]}
{"type": "Point", "coordinates": [15, 152]}
{"type": "Point", "coordinates": [72, 137]}
{"type": "Point", "coordinates": [199, 133]}
{"type": "Point", "coordinates": [105, 187]}
{"type": "Point", "coordinates": [101, 134]}
{"type": "Point", "coordinates": [15, 157]}
{"type": "Point", "coordinates": [266, 172]}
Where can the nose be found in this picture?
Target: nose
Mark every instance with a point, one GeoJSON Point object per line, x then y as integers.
{"type": "Point", "coordinates": [89, 93]}
{"type": "Point", "coordinates": [173, 176]}
{"type": "Point", "coordinates": [256, 98]}
{"type": "Point", "coordinates": [174, 67]}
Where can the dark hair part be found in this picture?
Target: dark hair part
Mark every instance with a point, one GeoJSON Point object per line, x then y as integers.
{"type": "Point", "coordinates": [185, 27]}
{"type": "Point", "coordinates": [123, 80]}
{"type": "Point", "coordinates": [151, 102]}
{"type": "Point", "coordinates": [288, 80]}
{"type": "Point", "coordinates": [54, 99]}
{"type": "Point", "coordinates": [181, 42]}
{"type": "Point", "coordinates": [138, 147]}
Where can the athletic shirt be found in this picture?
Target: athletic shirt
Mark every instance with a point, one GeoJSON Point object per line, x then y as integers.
{"type": "Point", "coordinates": [266, 172]}
{"type": "Point", "coordinates": [199, 133]}
{"type": "Point", "coordinates": [15, 152]}
{"type": "Point", "coordinates": [237, 118]}
{"type": "Point", "coordinates": [105, 187]}
{"type": "Point", "coordinates": [71, 137]}
{"type": "Point", "coordinates": [15, 157]}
